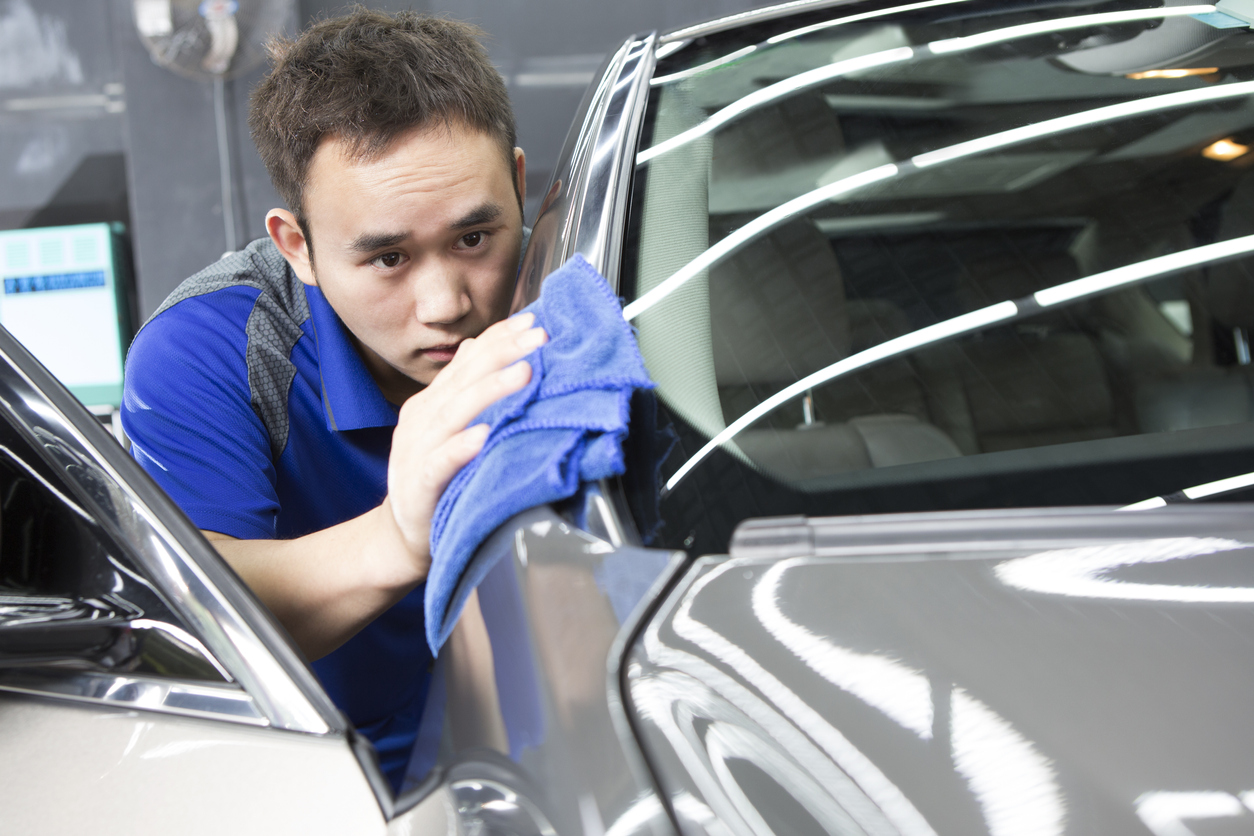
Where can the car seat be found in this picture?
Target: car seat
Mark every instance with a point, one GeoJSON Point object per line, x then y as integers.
{"type": "Point", "coordinates": [779, 313]}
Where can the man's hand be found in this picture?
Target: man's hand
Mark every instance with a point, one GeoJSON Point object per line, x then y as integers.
{"type": "Point", "coordinates": [432, 442]}
{"type": "Point", "coordinates": [326, 586]}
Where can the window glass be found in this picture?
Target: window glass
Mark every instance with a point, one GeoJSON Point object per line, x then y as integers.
{"type": "Point", "coordinates": [969, 254]}
{"type": "Point", "coordinates": [69, 598]}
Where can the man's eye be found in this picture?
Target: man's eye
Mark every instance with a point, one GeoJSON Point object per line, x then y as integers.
{"type": "Point", "coordinates": [388, 260]}
{"type": "Point", "coordinates": [472, 240]}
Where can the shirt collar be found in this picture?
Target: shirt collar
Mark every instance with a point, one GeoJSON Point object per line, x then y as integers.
{"type": "Point", "coordinates": [350, 397]}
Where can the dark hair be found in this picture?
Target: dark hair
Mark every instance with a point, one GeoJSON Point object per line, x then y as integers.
{"type": "Point", "coordinates": [366, 78]}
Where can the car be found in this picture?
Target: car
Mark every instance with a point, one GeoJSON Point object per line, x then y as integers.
{"type": "Point", "coordinates": [948, 308]}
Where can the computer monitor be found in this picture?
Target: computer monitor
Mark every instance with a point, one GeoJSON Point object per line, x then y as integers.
{"type": "Point", "coordinates": [66, 299]}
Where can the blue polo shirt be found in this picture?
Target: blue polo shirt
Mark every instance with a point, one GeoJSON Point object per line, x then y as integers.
{"type": "Point", "coordinates": [246, 401]}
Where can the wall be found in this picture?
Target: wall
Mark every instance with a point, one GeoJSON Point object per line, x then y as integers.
{"type": "Point", "coordinates": [91, 129]}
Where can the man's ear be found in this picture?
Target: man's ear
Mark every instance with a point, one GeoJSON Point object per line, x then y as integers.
{"type": "Point", "coordinates": [287, 235]}
{"type": "Point", "coordinates": [520, 173]}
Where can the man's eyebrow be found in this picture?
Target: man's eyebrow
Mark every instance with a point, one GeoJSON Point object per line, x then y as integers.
{"type": "Point", "coordinates": [485, 214]}
{"type": "Point", "coordinates": [368, 242]}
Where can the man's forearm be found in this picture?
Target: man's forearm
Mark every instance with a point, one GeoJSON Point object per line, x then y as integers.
{"type": "Point", "coordinates": [326, 586]}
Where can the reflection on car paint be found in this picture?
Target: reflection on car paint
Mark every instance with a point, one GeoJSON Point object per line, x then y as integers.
{"type": "Point", "coordinates": [898, 690]}
{"type": "Point", "coordinates": [1082, 572]}
{"type": "Point", "coordinates": [855, 783]}
{"type": "Point", "coordinates": [1164, 813]}
{"type": "Point", "coordinates": [1015, 784]}
{"type": "Point", "coordinates": [488, 807]}
{"type": "Point", "coordinates": [523, 696]}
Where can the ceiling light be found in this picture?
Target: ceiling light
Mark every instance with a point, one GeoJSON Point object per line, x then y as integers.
{"type": "Point", "coordinates": [1178, 73]}
{"type": "Point", "coordinates": [1224, 150]}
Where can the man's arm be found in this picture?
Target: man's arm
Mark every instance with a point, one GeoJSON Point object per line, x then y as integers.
{"type": "Point", "coordinates": [326, 586]}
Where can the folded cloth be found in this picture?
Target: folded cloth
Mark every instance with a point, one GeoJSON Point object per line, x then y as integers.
{"type": "Point", "coordinates": [564, 428]}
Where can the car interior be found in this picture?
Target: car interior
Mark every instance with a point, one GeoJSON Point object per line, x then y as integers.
{"type": "Point", "coordinates": [1151, 367]}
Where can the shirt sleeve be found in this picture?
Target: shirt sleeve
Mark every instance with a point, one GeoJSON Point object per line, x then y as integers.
{"type": "Point", "coordinates": [187, 408]}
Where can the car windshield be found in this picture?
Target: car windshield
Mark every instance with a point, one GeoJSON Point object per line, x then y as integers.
{"type": "Point", "coordinates": [949, 254]}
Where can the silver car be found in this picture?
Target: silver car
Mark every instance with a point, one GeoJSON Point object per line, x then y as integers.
{"type": "Point", "coordinates": [948, 305]}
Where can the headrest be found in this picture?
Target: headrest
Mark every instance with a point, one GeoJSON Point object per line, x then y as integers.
{"type": "Point", "coordinates": [777, 309]}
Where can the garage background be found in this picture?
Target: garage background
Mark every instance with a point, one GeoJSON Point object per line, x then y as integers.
{"type": "Point", "coordinates": [92, 130]}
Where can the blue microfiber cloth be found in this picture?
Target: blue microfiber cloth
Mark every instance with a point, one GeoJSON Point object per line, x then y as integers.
{"type": "Point", "coordinates": [565, 427]}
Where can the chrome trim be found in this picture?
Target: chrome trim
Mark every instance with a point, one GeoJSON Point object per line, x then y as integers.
{"type": "Point", "coordinates": [202, 589]}
{"type": "Point", "coordinates": [602, 214]}
{"type": "Point", "coordinates": [755, 16]}
{"type": "Point", "coordinates": [602, 164]}
{"type": "Point", "coordinates": [168, 696]}
{"type": "Point", "coordinates": [585, 207]}
{"type": "Point", "coordinates": [606, 515]}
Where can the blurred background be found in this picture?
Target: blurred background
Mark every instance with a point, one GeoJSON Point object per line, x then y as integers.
{"type": "Point", "coordinates": [93, 129]}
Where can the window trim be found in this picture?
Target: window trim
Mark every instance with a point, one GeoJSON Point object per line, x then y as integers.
{"type": "Point", "coordinates": [159, 538]}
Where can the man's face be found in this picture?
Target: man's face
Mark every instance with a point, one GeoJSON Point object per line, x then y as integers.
{"type": "Point", "coordinates": [416, 250]}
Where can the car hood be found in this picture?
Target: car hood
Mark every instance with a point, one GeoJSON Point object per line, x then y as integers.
{"type": "Point", "coordinates": [962, 673]}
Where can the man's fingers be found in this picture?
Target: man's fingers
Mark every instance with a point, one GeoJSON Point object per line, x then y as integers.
{"type": "Point", "coordinates": [490, 354]}
{"type": "Point", "coordinates": [494, 349]}
{"type": "Point", "coordinates": [517, 322]}
{"type": "Point", "coordinates": [456, 412]}
{"type": "Point", "coordinates": [413, 499]}
{"type": "Point", "coordinates": [435, 420]}
{"type": "Point", "coordinates": [452, 456]}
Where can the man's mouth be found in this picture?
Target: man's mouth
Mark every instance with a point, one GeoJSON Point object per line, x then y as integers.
{"type": "Point", "coordinates": [440, 353]}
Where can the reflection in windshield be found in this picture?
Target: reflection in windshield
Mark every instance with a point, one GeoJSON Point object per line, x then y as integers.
{"type": "Point", "coordinates": [1219, 486]}
{"type": "Point", "coordinates": [795, 33]}
{"type": "Point", "coordinates": [1084, 572]}
{"type": "Point", "coordinates": [828, 24]}
{"type": "Point", "coordinates": [1144, 270]}
{"type": "Point", "coordinates": [987, 276]}
{"type": "Point", "coordinates": [998, 141]}
{"type": "Point", "coordinates": [775, 92]}
{"type": "Point", "coordinates": [820, 75]}
{"type": "Point", "coordinates": [972, 322]}
{"type": "Point", "coordinates": [1046, 27]}
{"type": "Point", "coordinates": [967, 323]}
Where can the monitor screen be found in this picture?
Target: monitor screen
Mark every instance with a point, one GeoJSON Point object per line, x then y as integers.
{"type": "Point", "coordinates": [62, 299]}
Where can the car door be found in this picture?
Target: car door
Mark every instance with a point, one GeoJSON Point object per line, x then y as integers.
{"type": "Point", "coordinates": [141, 685]}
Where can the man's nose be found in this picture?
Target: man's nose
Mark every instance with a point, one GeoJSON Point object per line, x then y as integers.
{"type": "Point", "coordinates": [441, 297]}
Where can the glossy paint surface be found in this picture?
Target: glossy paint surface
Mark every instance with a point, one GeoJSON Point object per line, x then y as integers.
{"type": "Point", "coordinates": [1067, 672]}
{"type": "Point", "coordinates": [73, 768]}
{"type": "Point", "coordinates": [525, 708]}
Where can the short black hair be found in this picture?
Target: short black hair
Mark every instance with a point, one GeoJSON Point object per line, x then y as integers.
{"type": "Point", "coordinates": [366, 78]}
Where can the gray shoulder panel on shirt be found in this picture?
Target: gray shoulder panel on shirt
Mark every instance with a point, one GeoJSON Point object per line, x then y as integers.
{"type": "Point", "coordinates": [272, 330]}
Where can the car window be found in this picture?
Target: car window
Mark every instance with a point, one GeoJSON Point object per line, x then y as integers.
{"type": "Point", "coordinates": [70, 601]}
{"type": "Point", "coordinates": [946, 255]}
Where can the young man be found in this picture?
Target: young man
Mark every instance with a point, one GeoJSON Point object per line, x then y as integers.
{"type": "Point", "coordinates": [306, 400]}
